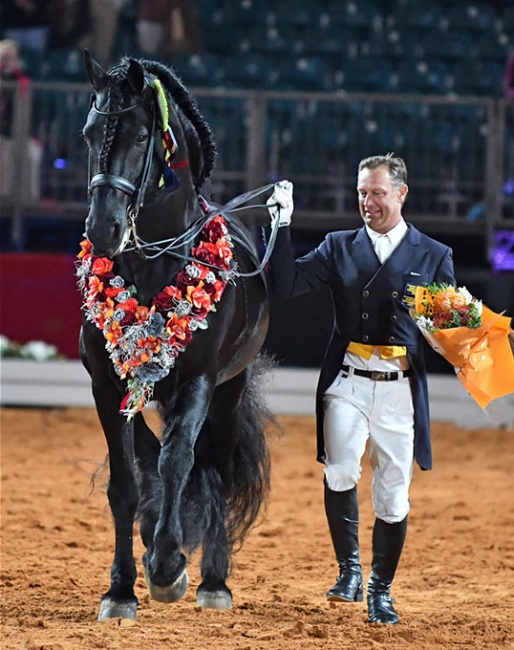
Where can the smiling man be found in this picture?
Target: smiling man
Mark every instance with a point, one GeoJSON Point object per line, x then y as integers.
{"type": "Point", "coordinates": [373, 385]}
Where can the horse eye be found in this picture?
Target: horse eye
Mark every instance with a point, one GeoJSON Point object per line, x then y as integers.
{"type": "Point", "coordinates": [142, 138]}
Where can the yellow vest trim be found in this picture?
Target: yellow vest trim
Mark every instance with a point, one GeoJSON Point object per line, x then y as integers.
{"type": "Point", "coordinates": [385, 351]}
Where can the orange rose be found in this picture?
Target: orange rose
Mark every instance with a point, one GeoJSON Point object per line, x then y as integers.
{"type": "Point", "coordinates": [199, 298]}
{"type": "Point", "coordinates": [102, 265]}
{"type": "Point", "coordinates": [141, 313]}
{"type": "Point", "coordinates": [219, 286]}
{"type": "Point", "coordinates": [95, 285]}
{"type": "Point", "coordinates": [85, 246]}
{"type": "Point", "coordinates": [173, 292]}
{"type": "Point", "coordinates": [113, 333]}
{"type": "Point", "coordinates": [112, 292]}
{"type": "Point", "coordinates": [178, 328]}
{"type": "Point", "coordinates": [129, 305]}
{"type": "Point", "coordinates": [224, 251]}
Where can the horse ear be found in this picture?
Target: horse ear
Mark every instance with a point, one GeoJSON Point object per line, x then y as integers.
{"type": "Point", "coordinates": [96, 74]}
{"type": "Point", "coordinates": [136, 76]}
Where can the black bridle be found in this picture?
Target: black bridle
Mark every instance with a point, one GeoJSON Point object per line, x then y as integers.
{"type": "Point", "coordinates": [151, 250]}
{"type": "Point", "coordinates": [136, 192]}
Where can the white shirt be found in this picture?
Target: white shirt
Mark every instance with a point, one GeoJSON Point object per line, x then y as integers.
{"type": "Point", "coordinates": [385, 244]}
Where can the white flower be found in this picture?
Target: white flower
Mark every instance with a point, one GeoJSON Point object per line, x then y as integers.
{"type": "Point", "coordinates": [39, 351]}
{"type": "Point", "coordinates": [465, 294]}
{"type": "Point", "coordinates": [5, 345]}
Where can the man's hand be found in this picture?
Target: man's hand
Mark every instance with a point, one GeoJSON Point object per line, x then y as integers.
{"type": "Point", "coordinates": [280, 204]}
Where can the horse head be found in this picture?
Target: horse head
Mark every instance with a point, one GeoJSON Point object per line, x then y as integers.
{"type": "Point", "coordinates": [148, 146]}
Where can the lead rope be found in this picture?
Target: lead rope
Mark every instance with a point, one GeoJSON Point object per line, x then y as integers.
{"type": "Point", "coordinates": [188, 236]}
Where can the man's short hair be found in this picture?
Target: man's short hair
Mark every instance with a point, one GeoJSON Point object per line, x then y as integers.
{"type": "Point", "coordinates": [395, 165]}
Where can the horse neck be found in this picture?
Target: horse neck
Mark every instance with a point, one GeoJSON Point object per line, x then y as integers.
{"type": "Point", "coordinates": [159, 220]}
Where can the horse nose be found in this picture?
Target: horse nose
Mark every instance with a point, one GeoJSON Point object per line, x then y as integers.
{"type": "Point", "coordinates": [106, 237]}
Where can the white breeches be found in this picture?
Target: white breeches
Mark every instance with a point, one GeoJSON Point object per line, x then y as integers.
{"type": "Point", "coordinates": [358, 410]}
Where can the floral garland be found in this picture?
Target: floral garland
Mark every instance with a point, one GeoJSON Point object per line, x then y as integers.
{"type": "Point", "coordinates": [143, 342]}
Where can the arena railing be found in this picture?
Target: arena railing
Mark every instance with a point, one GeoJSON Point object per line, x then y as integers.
{"type": "Point", "coordinates": [460, 153]}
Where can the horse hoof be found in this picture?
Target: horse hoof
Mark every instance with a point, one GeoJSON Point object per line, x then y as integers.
{"type": "Point", "coordinates": [169, 593]}
{"type": "Point", "coordinates": [214, 599]}
{"type": "Point", "coordinates": [110, 608]}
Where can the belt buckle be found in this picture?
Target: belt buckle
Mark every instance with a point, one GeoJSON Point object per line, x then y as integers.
{"type": "Point", "coordinates": [378, 375]}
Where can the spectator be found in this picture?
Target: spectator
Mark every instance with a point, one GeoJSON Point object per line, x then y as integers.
{"type": "Point", "coordinates": [166, 27]}
{"type": "Point", "coordinates": [11, 70]}
{"type": "Point", "coordinates": [26, 22]}
{"type": "Point", "coordinates": [104, 16]}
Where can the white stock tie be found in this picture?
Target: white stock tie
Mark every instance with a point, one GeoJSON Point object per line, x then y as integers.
{"type": "Point", "coordinates": [383, 247]}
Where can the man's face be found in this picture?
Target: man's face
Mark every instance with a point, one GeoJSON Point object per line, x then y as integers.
{"type": "Point", "coordinates": [380, 202]}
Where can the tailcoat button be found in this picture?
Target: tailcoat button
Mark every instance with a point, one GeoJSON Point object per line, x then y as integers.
{"type": "Point", "coordinates": [391, 339]}
{"type": "Point", "coordinates": [365, 338]}
{"type": "Point", "coordinates": [393, 317]}
{"type": "Point", "coordinates": [365, 316]}
{"type": "Point", "coordinates": [365, 293]}
{"type": "Point", "coordinates": [395, 294]}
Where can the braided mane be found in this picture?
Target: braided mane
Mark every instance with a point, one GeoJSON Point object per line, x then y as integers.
{"type": "Point", "coordinates": [200, 138]}
{"type": "Point", "coordinates": [115, 97]}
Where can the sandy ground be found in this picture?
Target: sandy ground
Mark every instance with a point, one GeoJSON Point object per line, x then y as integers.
{"type": "Point", "coordinates": [454, 588]}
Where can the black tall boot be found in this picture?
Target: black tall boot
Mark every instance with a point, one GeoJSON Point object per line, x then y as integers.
{"type": "Point", "coordinates": [388, 540]}
{"type": "Point", "coordinates": [342, 510]}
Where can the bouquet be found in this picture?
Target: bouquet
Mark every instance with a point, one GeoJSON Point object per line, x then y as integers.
{"type": "Point", "coordinates": [474, 339]}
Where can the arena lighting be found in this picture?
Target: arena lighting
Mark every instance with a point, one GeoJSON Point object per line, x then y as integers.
{"type": "Point", "coordinates": [502, 258]}
{"type": "Point", "coordinates": [60, 163]}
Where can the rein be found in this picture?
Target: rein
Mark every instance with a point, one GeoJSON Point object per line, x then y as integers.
{"type": "Point", "coordinates": [169, 246]}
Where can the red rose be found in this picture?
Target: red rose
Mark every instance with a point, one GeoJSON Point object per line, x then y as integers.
{"type": "Point", "coordinates": [183, 280]}
{"type": "Point", "coordinates": [163, 302]}
{"type": "Point", "coordinates": [129, 305]}
{"type": "Point", "coordinates": [102, 265]}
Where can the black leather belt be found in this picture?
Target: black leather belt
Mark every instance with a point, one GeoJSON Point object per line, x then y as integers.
{"type": "Point", "coordinates": [376, 375]}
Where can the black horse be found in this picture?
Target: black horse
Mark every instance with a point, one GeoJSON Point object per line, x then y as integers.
{"type": "Point", "coordinates": [157, 262]}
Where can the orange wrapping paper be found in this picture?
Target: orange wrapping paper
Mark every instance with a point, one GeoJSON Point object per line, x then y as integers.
{"type": "Point", "coordinates": [483, 356]}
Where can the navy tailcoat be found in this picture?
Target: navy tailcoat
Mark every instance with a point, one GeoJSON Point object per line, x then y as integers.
{"type": "Point", "coordinates": [370, 304]}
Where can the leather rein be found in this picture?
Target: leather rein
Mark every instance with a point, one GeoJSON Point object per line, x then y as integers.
{"type": "Point", "coordinates": [137, 193]}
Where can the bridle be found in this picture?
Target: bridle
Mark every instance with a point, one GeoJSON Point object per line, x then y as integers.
{"type": "Point", "coordinates": [135, 192]}
{"type": "Point", "coordinates": [171, 246]}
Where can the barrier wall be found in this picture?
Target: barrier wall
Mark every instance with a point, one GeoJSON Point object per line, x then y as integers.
{"type": "Point", "coordinates": [39, 300]}
{"type": "Point", "coordinates": [286, 390]}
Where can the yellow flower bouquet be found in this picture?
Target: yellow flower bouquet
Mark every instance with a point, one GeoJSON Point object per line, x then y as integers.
{"type": "Point", "coordinates": [475, 340]}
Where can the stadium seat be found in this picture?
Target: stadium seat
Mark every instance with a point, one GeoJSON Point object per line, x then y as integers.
{"type": "Point", "coordinates": [305, 73]}
{"type": "Point", "coordinates": [426, 16]}
{"type": "Point", "coordinates": [422, 76]}
{"type": "Point", "coordinates": [249, 71]}
{"type": "Point", "coordinates": [478, 78]}
{"type": "Point", "coordinates": [363, 15]}
{"type": "Point", "coordinates": [199, 69]}
{"type": "Point", "coordinates": [472, 16]}
{"type": "Point", "coordinates": [370, 74]}
{"type": "Point", "coordinates": [305, 14]}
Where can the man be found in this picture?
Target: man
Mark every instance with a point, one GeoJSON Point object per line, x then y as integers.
{"type": "Point", "coordinates": [373, 385]}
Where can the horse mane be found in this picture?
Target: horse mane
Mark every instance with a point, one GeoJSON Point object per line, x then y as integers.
{"type": "Point", "coordinates": [198, 133]}
{"type": "Point", "coordinates": [187, 104]}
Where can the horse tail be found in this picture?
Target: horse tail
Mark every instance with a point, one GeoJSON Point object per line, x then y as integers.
{"type": "Point", "coordinates": [209, 497]}
{"type": "Point", "coordinates": [251, 478]}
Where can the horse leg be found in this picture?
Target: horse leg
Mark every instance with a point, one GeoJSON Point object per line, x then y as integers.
{"type": "Point", "coordinates": [119, 601]}
{"type": "Point", "coordinates": [222, 438]}
{"type": "Point", "coordinates": [164, 563]}
{"type": "Point", "coordinates": [147, 449]}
